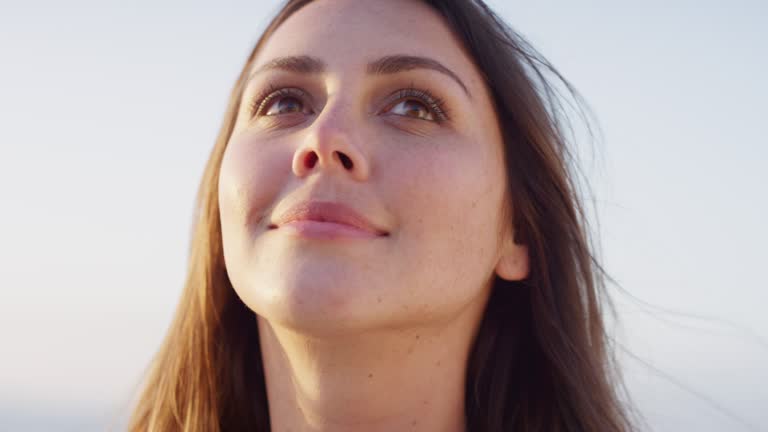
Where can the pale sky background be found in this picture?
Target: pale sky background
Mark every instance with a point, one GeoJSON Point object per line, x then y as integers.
{"type": "Point", "coordinates": [108, 110]}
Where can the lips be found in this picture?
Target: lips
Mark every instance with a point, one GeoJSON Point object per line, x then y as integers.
{"type": "Point", "coordinates": [327, 211]}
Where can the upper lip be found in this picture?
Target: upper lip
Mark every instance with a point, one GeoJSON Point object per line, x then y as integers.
{"type": "Point", "coordinates": [327, 211]}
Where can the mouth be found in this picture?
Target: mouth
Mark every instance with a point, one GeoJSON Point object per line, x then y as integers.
{"type": "Point", "coordinates": [325, 219]}
{"type": "Point", "coordinates": [325, 230]}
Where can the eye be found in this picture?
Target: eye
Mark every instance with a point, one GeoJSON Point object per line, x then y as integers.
{"type": "Point", "coordinates": [418, 104]}
{"type": "Point", "coordinates": [412, 108]}
{"type": "Point", "coordinates": [279, 102]}
{"type": "Point", "coordinates": [284, 105]}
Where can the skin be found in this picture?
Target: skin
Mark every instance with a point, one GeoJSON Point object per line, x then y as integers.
{"type": "Point", "coordinates": [367, 334]}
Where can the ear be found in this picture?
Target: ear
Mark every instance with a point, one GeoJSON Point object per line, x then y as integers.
{"type": "Point", "coordinates": [513, 262]}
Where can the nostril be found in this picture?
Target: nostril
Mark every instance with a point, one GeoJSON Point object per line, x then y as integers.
{"type": "Point", "coordinates": [311, 159]}
{"type": "Point", "coordinates": [345, 160]}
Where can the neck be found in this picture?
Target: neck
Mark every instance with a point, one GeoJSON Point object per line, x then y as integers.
{"type": "Point", "coordinates": [406, 380]}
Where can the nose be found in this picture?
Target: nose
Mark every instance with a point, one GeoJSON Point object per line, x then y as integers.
{"type": "Point", "coordinates": [331, 145]}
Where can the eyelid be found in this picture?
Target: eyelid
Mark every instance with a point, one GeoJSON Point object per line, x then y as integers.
{"type": "Point", "coordinates": [263, 99]}
{"type": "Point", "coordinates": [433, 103]}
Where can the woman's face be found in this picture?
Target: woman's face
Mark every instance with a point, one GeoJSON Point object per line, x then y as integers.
{"type": "Point", "coordinates": [375, 106]}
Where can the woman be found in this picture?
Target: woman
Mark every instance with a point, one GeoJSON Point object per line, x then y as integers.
{"type": "Point", "coordinates": [388, 239]}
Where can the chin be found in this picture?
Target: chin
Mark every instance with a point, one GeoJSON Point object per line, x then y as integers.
{"type": "Point", "coordinates": [315, 302]}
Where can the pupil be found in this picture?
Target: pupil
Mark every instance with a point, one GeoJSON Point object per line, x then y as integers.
{"type": "Point", "coordinates": [288, 104]}
{"type": "Point", "coordinates": [413, 109]}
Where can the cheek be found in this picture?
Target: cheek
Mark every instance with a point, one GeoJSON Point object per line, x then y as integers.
{"type": "Point", "coordinates": [251, 178]}
{"type": "Point", "coordinates": [449, 199]}
{"type": "Point", "coordinates": [450, 189]}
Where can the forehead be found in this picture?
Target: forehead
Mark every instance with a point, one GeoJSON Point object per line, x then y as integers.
{"type": "Point", "coordinates": [349, 33]}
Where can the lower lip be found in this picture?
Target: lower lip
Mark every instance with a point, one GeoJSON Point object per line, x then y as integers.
{"type": "Point", "coordinates": [326, 230]}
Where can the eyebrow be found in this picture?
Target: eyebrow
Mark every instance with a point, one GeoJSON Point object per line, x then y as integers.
{"type": "Point", "coordinates": [386, 65]}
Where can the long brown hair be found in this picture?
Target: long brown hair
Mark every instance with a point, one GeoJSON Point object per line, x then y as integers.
{"type": "Point", "coordinates": [542, 360]}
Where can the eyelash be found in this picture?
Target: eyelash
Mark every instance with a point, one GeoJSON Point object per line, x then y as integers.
{"type": "Point", "coordinates": [433, 103]}
{"type": "Point", "coordinates": [271, 92]}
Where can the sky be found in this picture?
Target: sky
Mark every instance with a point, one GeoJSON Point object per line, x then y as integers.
{"type": "Point", "coordinates": [109, 109]}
